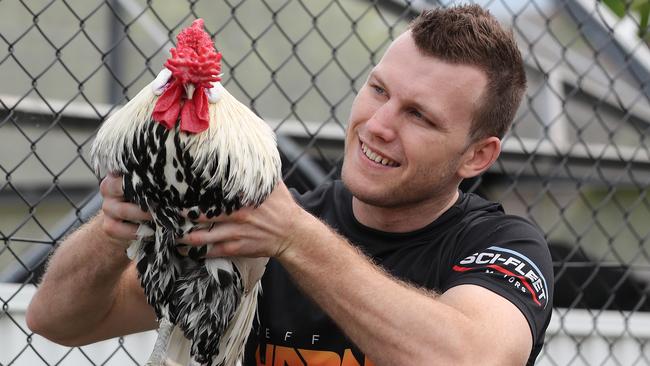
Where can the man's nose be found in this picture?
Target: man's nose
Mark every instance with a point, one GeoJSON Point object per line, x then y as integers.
{"type": "Point", "coordinates": [383, 123]}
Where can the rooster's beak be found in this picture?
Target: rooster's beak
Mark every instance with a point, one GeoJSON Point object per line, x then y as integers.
{"type": "Point", "coordinates": [189, 90]}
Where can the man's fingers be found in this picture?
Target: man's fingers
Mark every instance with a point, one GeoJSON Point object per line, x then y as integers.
{"type": "Point", "coordinates": [119, 230]}
{"type": "Point", "coordinates": [125, 211]}
{"type": "Point", "coordinates": [197, 238]}
{"type": "Point", "coordinates": [223, 232]}
{"type": "Point", "coordinates": [111, 186]}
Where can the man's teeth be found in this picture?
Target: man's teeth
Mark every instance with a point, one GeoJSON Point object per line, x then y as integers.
{"type": "Point", "coordinates": [376, 157]}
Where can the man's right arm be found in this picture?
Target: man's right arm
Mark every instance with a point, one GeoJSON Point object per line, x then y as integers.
{"type": "Point", "coordinates": [90, 291]}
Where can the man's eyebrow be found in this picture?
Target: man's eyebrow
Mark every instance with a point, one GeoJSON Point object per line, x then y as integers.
{"type": "Point", "coordinates": [436, 118]}
{"type": "Point", "coordinates": [431, 114]}
{"type": "Point", "coordinates": [373, 75]}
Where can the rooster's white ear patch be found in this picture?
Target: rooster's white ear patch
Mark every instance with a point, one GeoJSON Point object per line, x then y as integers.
{"type": "Point", "coordinates": [214, 93]}
{"type": "Point", "coordinates": [159, 83]}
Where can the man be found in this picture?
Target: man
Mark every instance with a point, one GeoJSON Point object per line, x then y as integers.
{"type": "Point", "coordinates": [403, 269]}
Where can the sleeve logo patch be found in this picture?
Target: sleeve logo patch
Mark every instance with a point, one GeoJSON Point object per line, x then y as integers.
{"type": "Point", "coordinates": [513, 266]}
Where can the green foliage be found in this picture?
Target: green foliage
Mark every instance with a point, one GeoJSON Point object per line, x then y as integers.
{"type": "Point", "coordinates": [644, 14]}
{"type": "Point", "coordinates": [640, 9]}
{"type": "Point", "coordinates": [617, 6]}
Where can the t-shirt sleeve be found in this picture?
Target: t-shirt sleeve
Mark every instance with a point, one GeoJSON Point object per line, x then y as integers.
{"type": "Point", "coordinates": [510, 258]}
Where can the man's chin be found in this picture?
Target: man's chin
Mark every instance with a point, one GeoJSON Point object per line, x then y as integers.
{"type": "Point", "coordinates": [370, 197]}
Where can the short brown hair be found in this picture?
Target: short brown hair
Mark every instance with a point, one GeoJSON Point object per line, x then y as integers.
{"type": "Point", "coordinates": [470, 35]}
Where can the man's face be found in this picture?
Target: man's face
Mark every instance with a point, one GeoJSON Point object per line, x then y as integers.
{"type": "Point", "coordinates": [409, 127]}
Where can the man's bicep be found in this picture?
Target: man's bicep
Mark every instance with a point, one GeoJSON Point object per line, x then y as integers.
{"type": "Point", "coordinates": [508, 335]}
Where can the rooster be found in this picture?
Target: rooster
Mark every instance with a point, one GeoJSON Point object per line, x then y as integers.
{"type": "Point", "coordinates": [186, 147]}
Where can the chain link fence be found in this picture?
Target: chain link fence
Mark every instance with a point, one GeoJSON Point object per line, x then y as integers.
{"type": "Point", "coordinates": [577, 161]}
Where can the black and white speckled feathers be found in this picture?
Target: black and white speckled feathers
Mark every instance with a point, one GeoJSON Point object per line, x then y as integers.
{"type": "Point", "coordinates": [180, 288]}
{"type": "Point", "coordinates": [234, 163]}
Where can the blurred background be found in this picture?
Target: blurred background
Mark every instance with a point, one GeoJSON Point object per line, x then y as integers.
{"type": "Point", "coordinates": [576, 162]}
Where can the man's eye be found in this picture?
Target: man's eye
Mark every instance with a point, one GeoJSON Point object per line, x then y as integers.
{"type": "Point", "coordinates": [416, 114]}
{"type": "Point", "coordinates": [378, 89]}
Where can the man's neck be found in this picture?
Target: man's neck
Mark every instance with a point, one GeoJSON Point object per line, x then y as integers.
{"type": "Point", "coordinates": [404, 218]}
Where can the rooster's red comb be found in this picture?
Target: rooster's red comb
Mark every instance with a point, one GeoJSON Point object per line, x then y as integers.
{"type": "Point", "coordinates": [194, 61]}
{"type": "Point", "coordinates": [194, 58]}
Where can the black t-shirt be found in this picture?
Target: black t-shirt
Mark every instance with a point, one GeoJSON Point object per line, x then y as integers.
{"type": "Point", "coordinates": [474, 242]}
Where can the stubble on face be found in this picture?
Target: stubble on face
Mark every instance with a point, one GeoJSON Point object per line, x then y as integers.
{"type": "Point", "coordinates": [431, 184]}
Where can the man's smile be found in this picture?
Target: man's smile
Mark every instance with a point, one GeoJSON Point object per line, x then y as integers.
{"type": "Point", "coordinates": [376, 157]}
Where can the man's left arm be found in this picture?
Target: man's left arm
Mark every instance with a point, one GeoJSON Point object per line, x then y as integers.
{"type": "Point", "coordinates": [394, 323]}
{"type": "Point", "coordinates": [391, 322]}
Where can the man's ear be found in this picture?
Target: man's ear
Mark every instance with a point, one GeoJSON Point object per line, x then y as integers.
{"type": "Point", "coordinates": [479, 157]}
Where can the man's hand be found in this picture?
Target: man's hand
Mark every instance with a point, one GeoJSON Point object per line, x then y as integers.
{"type": "Point", "coordinates": [264, 231]}
{"type": "Point", "coordinates": [121, 218]}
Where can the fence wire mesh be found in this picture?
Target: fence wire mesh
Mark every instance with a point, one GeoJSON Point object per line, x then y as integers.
{"type": "Point", "coordinates": [577, 161]}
